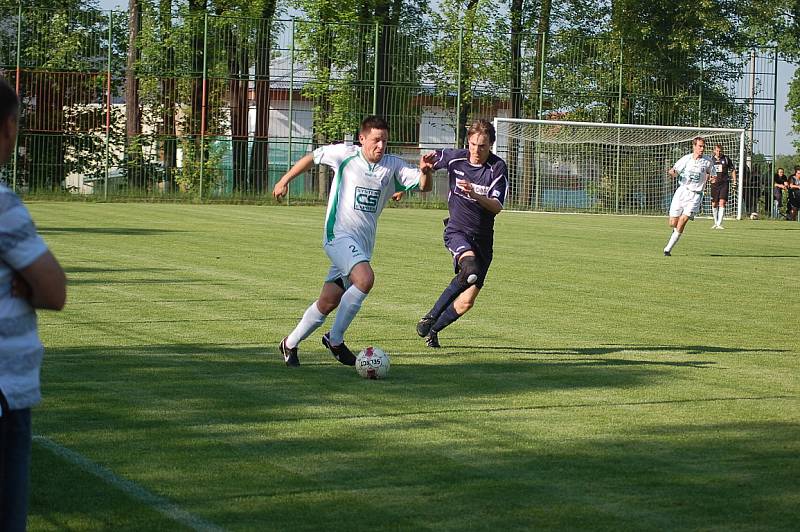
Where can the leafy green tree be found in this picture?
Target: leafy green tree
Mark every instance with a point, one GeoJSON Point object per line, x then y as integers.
{"type": "Point", "coordinates": [63, 86]}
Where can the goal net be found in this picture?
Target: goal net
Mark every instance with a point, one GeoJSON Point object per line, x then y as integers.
{"type": "Point", "coordinates": [605, 168]}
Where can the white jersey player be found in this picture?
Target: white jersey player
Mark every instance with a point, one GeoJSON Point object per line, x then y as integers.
{"type": "Point", "coordinates": [692, 171]}
{"type": "Point", "coordinates": [364, 180]}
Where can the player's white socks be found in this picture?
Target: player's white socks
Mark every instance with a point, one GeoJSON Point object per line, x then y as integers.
{"type": "Point", "coordinates": [719, 216]}
{"type": "Point", "coordinates": [348, 308]}
{"type": "Point", "coordinates": [672, 240]}
{"type": "Point", "coordinates": [312, 319]}
{"type": "Point", "coordinates": [715, 210]}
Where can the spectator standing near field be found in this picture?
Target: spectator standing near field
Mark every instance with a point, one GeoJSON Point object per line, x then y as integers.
{"type": "Point", "coordinates": [779, 183]}
{"type": "Point", "coordinates": [364, 179]}
{"type": "Point", "coordinates": [478, 180]}
{"type": "Point", "coordinates": [724, 173]}
{"type": "Point", "coordinates": [30, 278]}
{"type": "Point", "coordinates": [692, 171]}
{"type": "Point", "coordinates": [793, 202]}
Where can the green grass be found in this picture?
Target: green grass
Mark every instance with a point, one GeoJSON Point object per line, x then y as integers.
{"type": "Point", "coordinates": [595, 385]}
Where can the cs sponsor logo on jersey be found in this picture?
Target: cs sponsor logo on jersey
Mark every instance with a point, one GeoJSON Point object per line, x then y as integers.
{"type": "Point", "coordinates": [366, 199]}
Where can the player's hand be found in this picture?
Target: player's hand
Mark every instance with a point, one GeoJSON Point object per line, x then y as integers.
{"type": "Point", "coordinates": [465, 186]}
{"type": "Point", "coordinates": [426, 162]}
{"type": "Point", "coordinates": [397, 196]}
{"type": "Point", "coordinates": [280, 190]}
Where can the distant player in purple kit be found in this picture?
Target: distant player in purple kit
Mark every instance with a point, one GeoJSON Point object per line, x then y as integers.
{"type": "Point", "coordinates": [478, 180]}
{"type": "Point", "coordinates": [724, 173]}
{"type": "Point", "coordinates": [692, 171]}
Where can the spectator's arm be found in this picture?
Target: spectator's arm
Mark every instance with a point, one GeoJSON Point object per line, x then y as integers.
{"type": "Point", "coordinates": [45, 283]}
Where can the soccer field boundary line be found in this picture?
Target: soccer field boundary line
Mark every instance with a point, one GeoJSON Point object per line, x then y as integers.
{"type": "Point", "coordinates": [525, 408]}
{"type": "Point", "coordinates": [130, 488]}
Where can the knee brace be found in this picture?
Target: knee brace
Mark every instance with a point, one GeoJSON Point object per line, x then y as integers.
{"type": "Point", "coordinates": [468, 271]}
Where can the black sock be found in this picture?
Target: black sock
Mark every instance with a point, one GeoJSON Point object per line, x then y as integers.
{"type": "Point", "coordinates": [446, 318]}
{"type": "Point", "coordinates": [448, 296]}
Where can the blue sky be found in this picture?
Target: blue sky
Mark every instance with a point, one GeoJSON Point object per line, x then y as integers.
{"type": "Point", "coordinates": [785, 72]}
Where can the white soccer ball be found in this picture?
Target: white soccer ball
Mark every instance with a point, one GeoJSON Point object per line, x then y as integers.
{"type": "Point", "coordinates": [754, 216]}
{"type": "Point", "coordinates": [372, 363]}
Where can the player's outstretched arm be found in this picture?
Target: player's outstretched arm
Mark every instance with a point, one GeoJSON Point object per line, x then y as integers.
{"type": "Point", "coordinates": [282, 186]}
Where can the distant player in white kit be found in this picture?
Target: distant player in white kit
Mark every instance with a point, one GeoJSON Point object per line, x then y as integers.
{"type": "Point", "coordinates": [692, 171]}
{"type": "Point", "coordinates": [364, 180]}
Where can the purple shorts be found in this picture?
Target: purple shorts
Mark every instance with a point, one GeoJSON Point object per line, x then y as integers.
{"type": "Point", "coordinates": [458, 243]}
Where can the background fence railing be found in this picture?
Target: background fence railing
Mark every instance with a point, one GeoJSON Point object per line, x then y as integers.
{"type": "Point", "coordinates": [194, 106]}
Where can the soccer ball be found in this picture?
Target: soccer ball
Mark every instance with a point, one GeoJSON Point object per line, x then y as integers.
{"type": "Point", "coordinates": [372, 363]}
{"type": "Point", "coordinates": [754, 216]}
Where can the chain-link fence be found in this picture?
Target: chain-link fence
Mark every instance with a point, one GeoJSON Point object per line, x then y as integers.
{"type": "Point", "coordinates": [193, 106]}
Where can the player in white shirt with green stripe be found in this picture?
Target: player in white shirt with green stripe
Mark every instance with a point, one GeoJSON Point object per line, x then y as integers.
{"type": "Point", "coordinates": [364, 180]}
{"type": "Point", "coordinates": [692, 171]}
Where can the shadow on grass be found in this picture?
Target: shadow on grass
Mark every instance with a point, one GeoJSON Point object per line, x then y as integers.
{"type": "Point", "coordinates": [743, 256]}
{"type": "Point", "coordinates": [172, 280]}
{"type": "Point", "coordinates": [127, 231]}
{"type": "Point", "coordinates": [232, 435]}
{"type": "Point", "coordinates": [88, 269]}
{"type": "Point", "coordinates": [611, 349]}
{"type": "Point", "coordinates": [249, 383]}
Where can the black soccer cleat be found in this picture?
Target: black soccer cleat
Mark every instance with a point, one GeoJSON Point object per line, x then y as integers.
{"type": "Point", "coordinates": [340, 352]}
{"type": "Point", "coordinates": [667, 254]}
{"type": "Point", "coordinates": [289, 355]}
{"type": "Point", "coordinates": [424, 325]}
{"type": "Point", "coordinates": [432, 340]}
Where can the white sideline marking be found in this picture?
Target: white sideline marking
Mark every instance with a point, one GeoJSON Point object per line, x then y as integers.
{"type": "Point", "coordinates": [160, 504]}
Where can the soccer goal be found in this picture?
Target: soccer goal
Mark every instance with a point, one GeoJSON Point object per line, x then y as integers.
{"type": "Point", "coordinates": [605, 168]}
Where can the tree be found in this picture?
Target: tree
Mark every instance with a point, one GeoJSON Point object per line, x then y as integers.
{"type": "Point", "coordinates": [259, 158]}
{"type": "Point", "coordinates": [133, 113]}
{"type": "Point", "coordinates": [169, 96]}
{"type": "Point", "coordinates": [63, 82]}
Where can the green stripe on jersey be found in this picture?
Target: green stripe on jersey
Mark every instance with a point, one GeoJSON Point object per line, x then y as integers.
{"type": "Point", "coordinates": [398, 186]}
{"type": "Point", "coordinates": [331, 221]}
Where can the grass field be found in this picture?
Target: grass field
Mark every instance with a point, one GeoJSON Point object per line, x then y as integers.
{"type": "Point", "coordinates": [595, 385]}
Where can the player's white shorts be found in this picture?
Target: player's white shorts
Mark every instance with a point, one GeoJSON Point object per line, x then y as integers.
{"type": "Point", "coordinates": [685, 202]}
{"type": "Point", "coordinates": [344, 253]}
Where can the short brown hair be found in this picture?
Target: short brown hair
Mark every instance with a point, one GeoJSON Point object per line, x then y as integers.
{"type": "Point", "coordinates": [373, 122]}
{"type": "Point", "coordinates": [698, 139]}
{"type": "Point", "coordinates": [483, 127]}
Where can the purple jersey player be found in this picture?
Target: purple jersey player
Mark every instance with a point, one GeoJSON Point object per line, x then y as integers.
{"type": "Point", "coordinates": [477, 190]}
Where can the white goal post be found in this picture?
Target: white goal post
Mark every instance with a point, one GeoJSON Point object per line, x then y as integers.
{"type": "Point", "coordinates": [564, 166]}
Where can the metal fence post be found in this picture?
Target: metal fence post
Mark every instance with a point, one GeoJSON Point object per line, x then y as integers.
{"type": "Point", "coordinates": [375, 73]}
{"type": "Point", "coordinates": [19, 53]}
{"type": "Point", "coordinates": [291, 101]}
{"type": "Point", "coordinates": [458, 89]}
{"type": "Point", "coordinates": [619, 121]}
{"type": "Point", "coordinates": [700, 96]}
{"type": "Point", "coordinates": [537, 189]}
{"type": "Point", "coordinates": [204, 107]}
{"type": "Point", "coordinates": [542, 62]}
{"type": "Point", "coordinates": [774, 117]}
{"type": "Point", "coordinates": [108, 104]}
